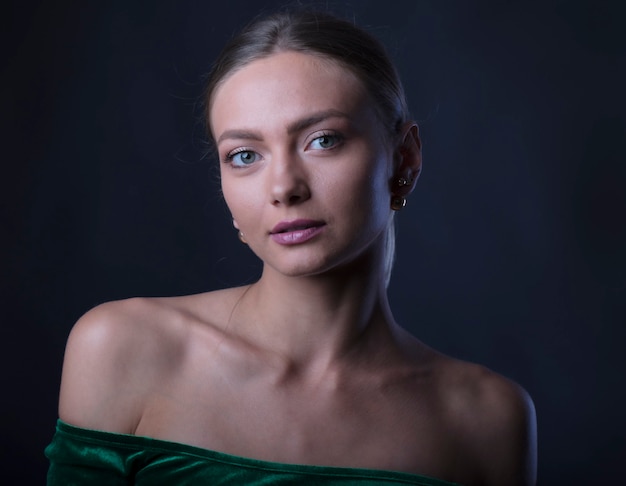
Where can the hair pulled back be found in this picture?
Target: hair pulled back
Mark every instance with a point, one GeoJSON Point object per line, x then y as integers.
{"type": "Point", "coordinates": [319, 34]}
{"type": "Point", "coordinates": [332, 38]}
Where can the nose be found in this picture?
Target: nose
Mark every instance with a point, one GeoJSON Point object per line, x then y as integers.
{"type": "Point", "coordinates": [288, 181]}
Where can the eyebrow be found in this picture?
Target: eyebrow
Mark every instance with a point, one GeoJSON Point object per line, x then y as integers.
{"type": "Point", "coordinates": [292, 128]}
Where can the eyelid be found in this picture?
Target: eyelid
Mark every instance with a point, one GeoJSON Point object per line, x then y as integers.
{"type": "Point", "coordinates": [325, 133]}
{"type": "Point", "coordinates": [230, 154]}
{"type": "Point", "coordinates": [228, 157]}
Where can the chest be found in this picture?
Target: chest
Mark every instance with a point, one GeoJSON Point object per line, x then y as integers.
{"type": "Point", "coordinates": [363, 425]}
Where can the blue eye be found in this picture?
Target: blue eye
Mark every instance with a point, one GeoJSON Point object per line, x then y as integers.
{"type": "Point", "coordinates": [242, 158]}
{"type": "Point", "coordinates": [324, 142]}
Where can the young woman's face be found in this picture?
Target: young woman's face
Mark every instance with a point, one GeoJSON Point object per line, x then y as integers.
{"type": "Point", "coordinates": [305, 165]}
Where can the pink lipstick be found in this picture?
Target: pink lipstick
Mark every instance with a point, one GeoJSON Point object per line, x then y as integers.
{"type": "Point", "coordinates": [296, 231]}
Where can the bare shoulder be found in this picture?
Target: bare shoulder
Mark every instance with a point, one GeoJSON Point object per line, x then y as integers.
{"type": "Point", "coordinates": [119, 352]}
{"type": "Point", "coordinates": [107, 353]}
{"type": "Point", "coordinates": [494, 421]}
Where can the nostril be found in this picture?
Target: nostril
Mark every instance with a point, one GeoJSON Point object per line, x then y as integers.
{"type": "Point", "coordinates": [293, 190]}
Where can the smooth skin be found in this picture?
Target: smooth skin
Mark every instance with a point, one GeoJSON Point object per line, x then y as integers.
{"type": "Point", "coordinates": [307, 365]}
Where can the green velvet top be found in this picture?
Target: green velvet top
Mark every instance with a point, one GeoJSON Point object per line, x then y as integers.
{"type": "Point", "coordinates": [94, 458]}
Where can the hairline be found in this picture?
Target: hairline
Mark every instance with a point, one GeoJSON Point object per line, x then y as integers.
{"type": "Point", "coordinates": [277, 49]}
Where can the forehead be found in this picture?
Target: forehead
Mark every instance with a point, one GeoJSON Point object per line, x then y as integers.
{"type": "Point", "coordinates": [282, 87]}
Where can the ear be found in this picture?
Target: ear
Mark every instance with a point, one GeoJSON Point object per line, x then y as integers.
{"type": "Point", "coordinates": [235, 224]}
{"type": "Point", "coordinates": [408, 160]}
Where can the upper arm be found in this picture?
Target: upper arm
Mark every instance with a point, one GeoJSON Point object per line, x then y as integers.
{"type": "Point", "coordinates": [101, 383]}
{"type": "Point", "coordinates": [507, 441]}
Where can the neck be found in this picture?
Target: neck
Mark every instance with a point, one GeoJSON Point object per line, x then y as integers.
{"type": "Point", "coordinates": [316, 321]}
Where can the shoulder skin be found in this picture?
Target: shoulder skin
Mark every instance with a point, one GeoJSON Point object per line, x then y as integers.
{"type": "Point", "coordinates": [116, 353]}
{"type": "Point", "coordinates": [494, 420]}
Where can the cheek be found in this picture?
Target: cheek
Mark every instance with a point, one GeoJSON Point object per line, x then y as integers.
{"type": "Point", "coordinates": [245, 202]}
{"type": "Point", "coordinates": [364, 191]}
{"type": "Point", "coordinates": [234, 201]}
{"type": "Point", "coordinates": [373, 183]}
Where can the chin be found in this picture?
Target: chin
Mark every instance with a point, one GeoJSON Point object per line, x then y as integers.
{"type": "Point", "coordinates": [317, 261]}
{"type": "Point", "coordinates": [325, 266]}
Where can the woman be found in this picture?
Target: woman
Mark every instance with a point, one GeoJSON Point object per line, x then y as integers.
{"type": "Point", "coordinates": [303, 376]}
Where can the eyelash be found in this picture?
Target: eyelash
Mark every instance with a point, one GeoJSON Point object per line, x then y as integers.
{"type": "Point", "coordinates": [231, 155]}
{"type": "Point", "coordinates": [332, 135]}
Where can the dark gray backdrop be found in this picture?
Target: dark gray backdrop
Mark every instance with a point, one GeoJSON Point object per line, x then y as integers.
{"type": "Point", "coordinates": [511, 252]}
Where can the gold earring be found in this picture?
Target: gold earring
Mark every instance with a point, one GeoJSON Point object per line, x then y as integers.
{"type": "Point", "coordinates": [397, 203]}
{"type": "Point", "coordinates": [241, 238]}
{"type": "Point", "coordinates": [402, 181]}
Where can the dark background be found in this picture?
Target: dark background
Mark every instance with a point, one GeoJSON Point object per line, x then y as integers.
{"type": "Point", "coordinates": [511, 252]}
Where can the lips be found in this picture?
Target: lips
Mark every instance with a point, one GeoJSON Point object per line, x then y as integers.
{"type": "Point", "coordinates": [295, 225]}
{"type": "Point", "coordinates": [296, 231]}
